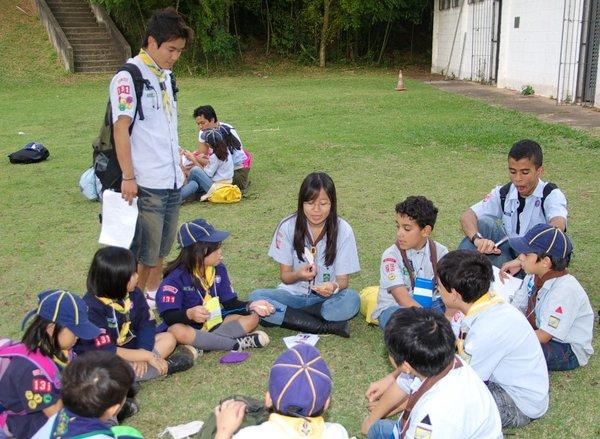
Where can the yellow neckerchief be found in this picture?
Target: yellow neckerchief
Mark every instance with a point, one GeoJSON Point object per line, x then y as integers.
{"type": "Point", "coordinates": [60, 363]}
{"type": "Point", "coordinates": [483, 303]}
{"type": "Point", "coordinates": [207, 279]}
{"type": "Point", "coordinates": [312, 428]}
{"type": "Point", "coordinates": [162, 79]}
{"type": "Point", "coordinates": [121, 309]}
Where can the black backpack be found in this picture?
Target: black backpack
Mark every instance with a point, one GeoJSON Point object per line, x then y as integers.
{"type": "Point", "coordinates": [547, 189]}
{"type": "Point", "coordinates": [105, 163]}
{"type": "Point", "coordinates": [31, 153]}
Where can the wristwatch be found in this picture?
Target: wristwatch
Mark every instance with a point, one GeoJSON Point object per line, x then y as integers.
{"type": "Point", "coordinates": [475, 236]}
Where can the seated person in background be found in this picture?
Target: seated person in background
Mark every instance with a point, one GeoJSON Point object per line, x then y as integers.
{"type": "Point", "coordinates": [94, 387]}
{"type": "Point", "coordinates": [299, 395]}
{"type": "Point", "coordinates": [410, 262]}
{"type": "Point", "coordinates": [206, 119]}
{"type": "Point", "coordinates": [554, 301]}
{"type": "Point", "coordinates": [513, 209]}
{"type": "Point", "coordinates": [440, 394]}
{"type": "Point", "coordinates": [495, 339]}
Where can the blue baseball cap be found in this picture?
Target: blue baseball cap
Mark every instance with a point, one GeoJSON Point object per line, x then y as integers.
{"type": "Point", "coordinates": [543, 238]}
{"type": "Point", "coordinates": [213, 136]}
{"type": "Point", "coordinates": [199, 230]}
{"type": "Point", "coordinates": [66, 309]}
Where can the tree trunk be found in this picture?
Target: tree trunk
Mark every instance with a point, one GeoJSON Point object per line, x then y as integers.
{"type": "Point", "coordinates": [385, 40]}
{"type": "Point", "coordinates": [324, 32]}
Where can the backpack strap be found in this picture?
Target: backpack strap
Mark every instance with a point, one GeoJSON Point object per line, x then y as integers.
{"type": "Point", "coordinates": [503, 194]}
{"type": "Point", "coordinates": [45, 364]}
{"type": "Point", "coordinates": [547, 190]}
{"type": "Point", "coordinates": [409, 266]}
{"type": "Point", "coordinates": [138, 84]}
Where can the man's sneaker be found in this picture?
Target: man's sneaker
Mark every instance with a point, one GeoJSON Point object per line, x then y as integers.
{"type": "Point", "coordinates": [130, 408]}
{"type": "Point", "coordinates": [257, 339]}
{"type": "Point", "coordinates": [180, 361]}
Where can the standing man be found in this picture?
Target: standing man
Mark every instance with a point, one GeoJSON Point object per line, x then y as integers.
{"type": "Point", "coordinates": [148, 151]}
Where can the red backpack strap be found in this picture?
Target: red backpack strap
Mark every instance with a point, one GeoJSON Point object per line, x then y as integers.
{"type": "Point", "coordinates": [45, 364]}
{"type": "Point", "coordinates": [408, 265]}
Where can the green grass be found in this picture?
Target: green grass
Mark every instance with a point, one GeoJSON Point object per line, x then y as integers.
{"type": "Point", "coordinates": [379, 145]}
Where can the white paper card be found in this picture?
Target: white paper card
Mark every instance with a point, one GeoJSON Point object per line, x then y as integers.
{"type": "Point", "coordinates": [292, 341]}
{"type": "Point", "coordinates": [118, 220]}
{"type": "Point", "coordinates": [507, 289]}
{"type": "Point", "coordinates": [183, 431]}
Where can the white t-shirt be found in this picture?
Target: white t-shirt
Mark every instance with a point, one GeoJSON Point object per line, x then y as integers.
{"type": "Point", "coordinates": [219, 170]}
{"type": "Point", "coordinates": [346, 260]}
{"type": "Point", "coordinates": [393, 273]}
{"type": "Point", "coordinates": [278, 427]}
{"type": "Point", "coordinates": [458, 406]}
{"type": "Point", "coordinates": [555, 205]}
{"type": "Point", "coordinates": [563, 310]}
{"type": "Point", "coordinates": [154, 140]}
{"type": "Point", "coordinates": [501, 347]}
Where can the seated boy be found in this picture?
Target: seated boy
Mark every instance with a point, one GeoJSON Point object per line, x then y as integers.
{"type": "Point", "coordinates": [513, 209]}
{"type": "Point", "coordinates": [443, 397]}
{"type": "Point", "coordinates": [94, 387]}
{"type": "Point", "coordinates": [553, 301]}
{"type": "Point", "coordinates": [409, 265]}
{"type": "Point", "coordinates": [206, 119]}
{"type": "Point", "coordinates": [299, 394]}
{"type": "Point", "coordinates": [495, 338]}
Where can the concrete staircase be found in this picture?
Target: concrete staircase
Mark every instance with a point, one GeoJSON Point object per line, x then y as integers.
{"type": "Point", "coordinates": [93, 47]}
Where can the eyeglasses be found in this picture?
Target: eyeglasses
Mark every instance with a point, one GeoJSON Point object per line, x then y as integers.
{"type": "Point", "coordinates": [320, 206]}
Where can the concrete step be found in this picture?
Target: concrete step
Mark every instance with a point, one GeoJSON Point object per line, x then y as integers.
{"type": "Point", "coordinates": [79, 22]}
{"type": "Point", "coordinates": [104, 67]}
{"type": "Point", "coordinates": [84, 30]}
{"type": "Point", "coordinates": [83, 43]}
{"type": "Point", "coordinates": [73, 8]}
{"type": "Point", "coordinates": [94, 58]}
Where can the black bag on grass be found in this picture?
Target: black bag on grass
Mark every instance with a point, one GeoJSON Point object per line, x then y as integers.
{"type": "Point", "coordinates": [31, 153]}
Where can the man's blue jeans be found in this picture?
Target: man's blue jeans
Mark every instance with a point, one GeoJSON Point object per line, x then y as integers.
{"type": "Point", "coordinates": [559, 356]}
{"type": "Point", "coordinates": [491, 228]}
{"type": "Point", "coordinates": [384, 317]}
{"type": "Point", "coordinates": [382, 429]}
{"type": "Point", "coordinates": [339, 307]}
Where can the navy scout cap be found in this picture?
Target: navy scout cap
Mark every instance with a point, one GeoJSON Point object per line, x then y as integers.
{"type": "Point", "coordinates": [543, 238]}
{"type": "Point", "coordinates": [199, 230]}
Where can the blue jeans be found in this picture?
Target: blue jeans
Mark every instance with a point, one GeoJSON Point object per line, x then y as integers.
{"type": "Point", "coordinates": [384, 317]}
{"type": "Point", "coordinates": [381, 429]}
{"type": "Point", "coordinates": [491, 228]}
{"type": "Point", "coordinates": [198, 182]}
{"type": "Point", "coordinates": [337, 308]}
{"type": "Point", "coordinates": [559, 356]}
{"type": "Point", "coordinates": [156, 224]}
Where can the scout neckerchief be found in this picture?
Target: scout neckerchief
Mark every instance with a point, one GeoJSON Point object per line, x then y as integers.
{"type": "Point", "coordinates": [425, 386]}
{"type": "Point", "coordinates": [121, 309]}
{"type": "Point", "coordinates": [411, 269]}
{"type": "Point", "coordinates": [207, 279]}
{"type": "Point", "coordinates": [483, 303]}
{"type": "Point", "coordinates": [68, 354]}
{"type": "Point", "coordinates": [314, 242]}
{"type": "Point", "coordinates": [311, 428]}
{"type": "Point", "coordinates": [161, 74]}
{"type": "Point", "coordinates": [538, 283]}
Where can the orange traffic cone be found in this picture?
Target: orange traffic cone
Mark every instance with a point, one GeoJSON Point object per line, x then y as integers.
{"type": "Point", "coordinates": [400, 85]}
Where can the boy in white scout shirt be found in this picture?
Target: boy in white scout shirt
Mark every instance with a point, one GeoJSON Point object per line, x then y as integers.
{"type": "Point", "coordinates": [407, 268]}
{"type": "Point", "coordinates": [554, 301]}
{"type": "Point", "coordinates": [444, 397]}
{"type": "Point", "coordinates": [513, 209]}
{"type": "Point", "coordinates": [495, 338]}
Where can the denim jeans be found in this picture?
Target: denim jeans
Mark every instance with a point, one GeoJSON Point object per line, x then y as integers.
{"type": "Point", "coordinates": [384, 317]}
{"type": "Point", "coordinates": [510, 414]}
{"type": "Point", "coordinates": [491, 228]}
{"type": "Point", "coordinates": [559, 356]}
{"type": "Point", "coordinates": [381, 429]}
{"type": "Point", "coordinates": [198, 182]}
{"type": "Point", "coordinates": [339, 307]}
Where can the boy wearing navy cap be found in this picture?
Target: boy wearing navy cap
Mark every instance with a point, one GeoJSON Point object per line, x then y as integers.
{"type": "Point", "coordinates": [553, 301]}
{"type": "Point", "coordinates": [299, 394]}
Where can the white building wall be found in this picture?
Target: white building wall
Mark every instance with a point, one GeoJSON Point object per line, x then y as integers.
{"type": "Point", "coordinates": [597, 98]}
{"type": "Point", "coordinates": [444, 25]}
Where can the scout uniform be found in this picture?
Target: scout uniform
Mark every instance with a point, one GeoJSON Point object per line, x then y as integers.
{"type": "Point", "coordinates": [473, 415]}
{"type": "Point", "coordinates": [66, 424]}
{"type": "Point", "coordinates": [393, 273]}
{"type": "Point", "coordinates": [517, 218]}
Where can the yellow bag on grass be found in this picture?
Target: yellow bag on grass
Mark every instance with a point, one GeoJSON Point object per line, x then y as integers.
{"type": "Point", "coordinates": [368, 303]}
{"type": "Point", "coordinates": [223, 193]}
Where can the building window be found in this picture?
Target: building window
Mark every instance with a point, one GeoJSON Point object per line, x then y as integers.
{"type": "Point", "coordinates": [445, 4]}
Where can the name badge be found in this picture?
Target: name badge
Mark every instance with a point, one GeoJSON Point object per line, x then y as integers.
{"type": "Point", "coordinates": [423, 292]}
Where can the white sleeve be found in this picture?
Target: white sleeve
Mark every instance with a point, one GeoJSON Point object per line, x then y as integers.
{"type": "Point", "coordinates": [346, 258]}
{"type": "Point", "coordinates": [559, 312]}
{"type": "Point", "coordinates": [490, 205]}
{"type": "Point", "coordinates": [213, 164]}
{"type": "Point", "coordinates": [391, 272]}
{"type": "Point", "coordinates": [282, 245]}
{"type": "Point", "coordinates": [555, 205]}
{"type": "Point", "coordinates": [122, 96]}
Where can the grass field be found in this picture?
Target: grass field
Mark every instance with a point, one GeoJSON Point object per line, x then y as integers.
{"type": "Point", "coordinates": [379, 146]}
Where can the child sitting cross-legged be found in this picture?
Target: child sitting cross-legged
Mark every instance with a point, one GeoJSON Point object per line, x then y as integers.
{"type": "Point", "coordinates": [299, 394]}
{"type": "Point", "coordinates": [94, 387]}
{"type": "Point", "coordinates": [554, 301]}
{"type": "Point", "coordinates": [441, 395]}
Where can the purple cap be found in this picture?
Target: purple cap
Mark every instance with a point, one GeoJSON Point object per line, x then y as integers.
{"type": "Point", "coordinates": [300, 382]}
{"type": "Point", "coordinates": [543, 238]}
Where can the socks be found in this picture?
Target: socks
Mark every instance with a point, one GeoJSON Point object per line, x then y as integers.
{"type": "Point", "coordinates": [221, 339]}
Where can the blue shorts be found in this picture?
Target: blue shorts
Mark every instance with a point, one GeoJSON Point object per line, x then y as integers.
{"type": "Point", "coordinates": [156, 225]}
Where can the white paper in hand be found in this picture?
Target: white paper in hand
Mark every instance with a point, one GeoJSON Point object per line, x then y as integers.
{"type": "Point", "coordinates": [118, 220]}
{"type": "Point", "coordinates": [507, 289]}
{"type": "Point", "coordinates": [308, 256]}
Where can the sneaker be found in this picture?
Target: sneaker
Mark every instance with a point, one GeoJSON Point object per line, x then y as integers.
{"type": "Point", "coordinates": [257, 339]}
{"type": "Point", "coordinates": [130, 408]}
{"type": "Point", "coordinates": [195, 352]}
{"type": "Point", "coordinates": [180, 361]}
